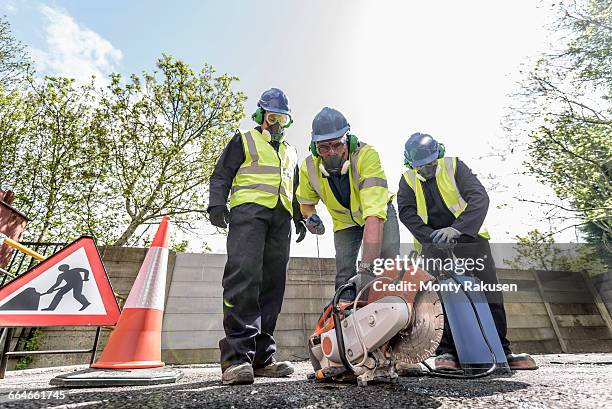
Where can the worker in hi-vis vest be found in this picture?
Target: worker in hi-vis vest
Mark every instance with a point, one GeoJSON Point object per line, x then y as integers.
{"type": "Point", "coordinates": [441, 201]}
{"type": "Point", "coordinates": [260, 169]}
{"type": "Point", "coordinates": [347, 176]}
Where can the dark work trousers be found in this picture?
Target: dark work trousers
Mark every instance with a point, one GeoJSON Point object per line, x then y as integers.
{"type": "Point", "coordinates": [478, 248]}
{"type": "Point", "coordinates": [254, 283]}
{"type": "Point", "coordinates": [348, 242]}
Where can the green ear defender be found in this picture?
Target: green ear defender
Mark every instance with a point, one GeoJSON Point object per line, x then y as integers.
{"type": "Point", "coordinates": [441, 152]}
{"type": "Point", "coordinates": [258, 116]}
{"type": "Point", "coordinates": [351, 141]}
{"type": "Point", "coordinates": [313, 149]}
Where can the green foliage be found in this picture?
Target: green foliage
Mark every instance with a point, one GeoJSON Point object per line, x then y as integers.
{"type": "Point", "coordinates": [538, 251]}
{"type": "Point", "coordinates": [180, 246]}
{"type": "Point", "coordinates": [568, 99]}
{"type": "Point", "coordinates": [14, 60]}
{"type": "Point", "coordinates": [163, 132]}
{"type": "Point", "coordinates": [573, 157]}
{"type": "Point", "coordinates": [31, 344]}
{"type": "Point", "coordinates": [599, 238]}
{"type": "Point", "coordinates": [54, 161]}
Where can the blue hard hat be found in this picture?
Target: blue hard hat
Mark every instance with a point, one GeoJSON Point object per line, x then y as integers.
{"type": "Point", "coordinates": [274, 100]}
{"type": "Point", "coordinates": [328, 124]}
{"type": "Point", "coordinates": [420, 149]}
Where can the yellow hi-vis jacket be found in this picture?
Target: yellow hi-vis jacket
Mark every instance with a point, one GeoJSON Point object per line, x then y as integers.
{"type": "Point", "coordinates": [265, 175]}
{"type": "Point", "coordinates": [369, 193]}
{"type": "Point", "coordinates": [447, 185]}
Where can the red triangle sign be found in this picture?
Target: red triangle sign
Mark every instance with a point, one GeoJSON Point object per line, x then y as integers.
{"type": "Point", "coordinates": [69, 288]}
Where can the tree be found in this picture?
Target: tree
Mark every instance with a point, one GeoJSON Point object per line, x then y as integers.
{"type": "Point", "coordinates": [13, 128]}
{"type": "Point", "coordinates": [14, 67]}
{"type": "Point", "coordinates": [163, 133]}
{"type": "Point", "coordinates": [596, 236]}
{"type": "Point", "coordinates": [566, 101]}
{"type": "Point", "coordinates": [538, 251]}
{"type": "Point", "coordinates": [14, 61]}
{"type": "Point", "coordinates": [56, 160]}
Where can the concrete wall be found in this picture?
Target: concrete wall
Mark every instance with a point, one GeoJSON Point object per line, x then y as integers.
{"type": "Point", "coordinates": [194, 311]}
{"type": "Point", "coordinates": [556, 312]}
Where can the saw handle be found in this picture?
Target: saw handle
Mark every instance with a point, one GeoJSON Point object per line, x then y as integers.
{"type": "Point", "coordinates": [336, 309]}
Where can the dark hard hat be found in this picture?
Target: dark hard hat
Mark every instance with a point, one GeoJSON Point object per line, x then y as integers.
{"type": "Point", "coordinates": [420, 149]}
{"type": "Point", "coordinates": [329, 124]}
{"type": "Point", "coordinates": [274, 100]}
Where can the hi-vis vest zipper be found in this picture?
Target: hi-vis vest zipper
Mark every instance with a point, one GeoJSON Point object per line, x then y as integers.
{"type": "Point", "coordinates": [374, 187]}
{"type": "Point", "coordinates": [447, 185]}
{"type": "Point", "coordinates": [265, 176]}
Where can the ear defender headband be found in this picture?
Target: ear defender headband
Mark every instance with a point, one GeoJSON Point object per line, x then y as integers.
{"type": "Point", "coordinates": [351, 141]}
{"type": "Point", "coordinates": [258, 117]}
{"type": "Point", "coordinates": [441, 152]}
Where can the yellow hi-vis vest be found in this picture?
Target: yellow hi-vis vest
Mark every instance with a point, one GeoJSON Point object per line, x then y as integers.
{"type": "Point", "coordinates": [447, 185]}
{"type": "Point", "coordinates": [369, 193]}
{"type": "Point", "coordinates": [265, 175]}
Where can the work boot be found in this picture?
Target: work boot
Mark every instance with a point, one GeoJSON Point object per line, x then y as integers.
{"type": "Point", "coordinates": [404, 369]}
{"type": "Point", "coordinates": [275, 370]}
{"type": "Point", "coordinates": [518, 362]}
{"type": "Point", "coordinates": [447, 362]}
{"type": "Point", "coordinates": [240, 374]}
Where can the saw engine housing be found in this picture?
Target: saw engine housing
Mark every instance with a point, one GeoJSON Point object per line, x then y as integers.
{"type": "Point", "coordinates": [389, 327]}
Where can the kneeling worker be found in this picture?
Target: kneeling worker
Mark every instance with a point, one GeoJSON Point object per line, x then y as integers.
{"type": "Point", "coordinates": [259, 168]}
{"type": "Point", "coordinates": [441, 201]}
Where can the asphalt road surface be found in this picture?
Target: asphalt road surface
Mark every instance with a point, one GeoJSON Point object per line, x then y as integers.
{"type": "Point", "coordinates": [563, 381]}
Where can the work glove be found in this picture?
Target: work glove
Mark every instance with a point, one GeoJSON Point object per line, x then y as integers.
{"type": "Point", "coordinates": [314, 224]}
{"type": "Point", "coordinates": [445, 235]}
{"type": "Point", "coordinates": [300, 229]}
{"type": "Point", "coordinates": [218, 216]}
{"type": "Point", "coordinates": [361, 279]}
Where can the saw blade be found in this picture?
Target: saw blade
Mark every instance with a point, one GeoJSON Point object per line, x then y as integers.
{"type": "Point", "coordinates": [419, 340]}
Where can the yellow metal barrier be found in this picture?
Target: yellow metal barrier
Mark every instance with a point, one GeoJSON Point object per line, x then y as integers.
{"type": "Point", "coordinates": [20, 247]}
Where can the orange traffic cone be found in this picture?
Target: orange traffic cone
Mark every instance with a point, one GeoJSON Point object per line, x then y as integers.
{"type": "Point", "coordinates": [136, 340]}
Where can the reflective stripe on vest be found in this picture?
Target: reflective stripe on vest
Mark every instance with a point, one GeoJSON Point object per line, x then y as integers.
{"type": "Point", "coordinates": [447, 185]}
{"type": "Point", "coordinates": [343, 218]}
{"type": "Point", "coordinates": [265, 176]}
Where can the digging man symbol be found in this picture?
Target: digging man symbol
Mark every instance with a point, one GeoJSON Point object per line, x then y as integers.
{"type": "Point", "coordinates": [74, 281]}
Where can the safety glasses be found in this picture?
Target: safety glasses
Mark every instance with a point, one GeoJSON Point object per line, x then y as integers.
{"type": "Point", "coordinates": [273, 118]}
{"type": "Point", "coordinates": [325, 148]}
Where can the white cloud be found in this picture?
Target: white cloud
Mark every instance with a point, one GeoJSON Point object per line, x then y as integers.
{"type": "Point", "coordinates": [74, 50]}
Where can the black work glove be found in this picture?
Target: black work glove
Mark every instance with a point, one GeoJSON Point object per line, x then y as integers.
{"type": "Point", "coordinates": [300, 229]}
{"type": "Point", "coordinates": [218, 216]}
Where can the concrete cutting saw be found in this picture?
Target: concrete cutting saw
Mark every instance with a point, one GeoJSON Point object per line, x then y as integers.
{"type": "Point", "coordinates": [393, 320]}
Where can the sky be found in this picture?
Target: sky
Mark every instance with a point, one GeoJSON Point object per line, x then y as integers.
{"type": "Point", "coordinates": [392, 68]}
